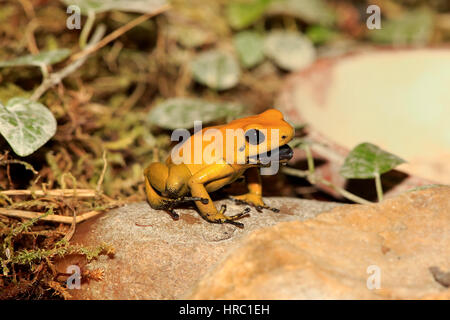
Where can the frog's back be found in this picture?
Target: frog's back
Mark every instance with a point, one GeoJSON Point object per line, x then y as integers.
{"type": "Point", "coordinates": [210, 145]}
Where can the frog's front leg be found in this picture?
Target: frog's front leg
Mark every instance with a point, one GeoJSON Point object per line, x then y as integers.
{"type": "Point", "coordinates": [254, 196]}
{"type": "Point", "coordinates": [197, 186]}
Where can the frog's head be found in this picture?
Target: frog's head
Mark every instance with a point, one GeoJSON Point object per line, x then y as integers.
{"type": "Point", "coordinates": [266, 137]}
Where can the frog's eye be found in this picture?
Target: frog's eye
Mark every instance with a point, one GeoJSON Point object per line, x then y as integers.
{"type": "Point", "coordinates": [254, 136]}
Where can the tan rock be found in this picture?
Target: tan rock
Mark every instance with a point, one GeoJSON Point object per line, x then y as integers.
{"type": "Point", "coordinates": [328, 257]}
{"type": "Point", "coordinates": [158, 258]}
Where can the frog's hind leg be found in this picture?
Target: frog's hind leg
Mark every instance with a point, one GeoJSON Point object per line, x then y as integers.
{"type": "Point", "coordinates": [155, 176]}
{"type": "Point", "coordinates": [177, 185]}
{"type": "Point", "coordinates": [164, 179]}
{"type": "Point", "coordinates": [177, 181]}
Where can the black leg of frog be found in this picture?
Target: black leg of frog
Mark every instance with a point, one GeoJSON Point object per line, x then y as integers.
{"type": "Point", "coordinates": [197, 182]}
{"type": "Point", "coordinates": [254, 196]}
{"type": "Point", "coordinates": [158, 176]}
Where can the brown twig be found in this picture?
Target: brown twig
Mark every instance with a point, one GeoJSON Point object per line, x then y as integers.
{"type": "Point", "coordinates": [28, 8]}
{"type": "Point", "coordinates": [29, 34]}
{"type": "Point", "coordinates": [117, 33]}
{"type": "Point", "coordinates": [102, 175]}
{"type": "Point", "coordinates": [56, 78]}
{"type": "Point", "coordinates": [53, 218]}
{"type": "Point", "coordinates": [79, 193]}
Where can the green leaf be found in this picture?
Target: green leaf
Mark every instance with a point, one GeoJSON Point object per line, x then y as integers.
{"type": "Point", "coordinates": [98, 6]}
{"type": "Point", "coordinates": [367, 160]}
{"type": "Point", "coordinates": [289, 50]}
{"type": "Point", "coordinates": [249, 46]}
{"type": "Point", "coordinates": [309, 11]}
{"type": "Point", "coordinates": [177, 113]}
{"type": "Point", "coordinates": [320, 35]}
{"type": "Point", "coordinates": [243, 14]}
{"type": "Point", "coordinates": [26, 125]}
{"type": "Point", "coordinates": [415, 27]}
{"type": "Point", "coordinates": [216, 69]}
{"type": "Point", "coordinates": [42, 58]}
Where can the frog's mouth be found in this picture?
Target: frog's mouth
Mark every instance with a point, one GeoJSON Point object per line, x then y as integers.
{"type": "Point", "coordinates": [282, 154]}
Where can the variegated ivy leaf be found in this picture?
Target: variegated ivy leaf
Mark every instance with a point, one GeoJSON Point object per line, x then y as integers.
{"type": "Point", "coordinates": [216, 69]}
{"type": "Point", "coordinates": [180, 113]}
{"type": "Point", "coordinates": [42, 58]}
{"type": "Point", "coordinates": [367, 160]}
{"type": "Point", "coordinates": [98, 6]}
{"type": "Point", "coordinates": [249, 45]}
{"type": "Point", "coordinates": [243, 14]}
{"type": "Point", "coordinates": [289, 50]}
{"type": "Point", "coordinates": [26, 125]}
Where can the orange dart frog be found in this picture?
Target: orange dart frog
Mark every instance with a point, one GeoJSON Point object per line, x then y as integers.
{"type": "Point", "coordinates": [215, 157]}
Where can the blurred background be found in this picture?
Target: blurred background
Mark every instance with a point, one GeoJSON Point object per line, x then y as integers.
{"type": "Point", "coordinates": [233, 55]}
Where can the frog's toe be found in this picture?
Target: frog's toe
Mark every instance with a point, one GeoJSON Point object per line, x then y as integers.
{"type": "Point", "coordinates": [253, 200]}
{"type": "Point", "coordinates": [235, 223]}
{"type": "Point", "coordinates": [240, 215]}
{"type": "Point", "coordinates": [260, 208]}
{"type": "Point", "coordinates": [173, 214]}
{"type": "Point", "coordinates": [231, 219]}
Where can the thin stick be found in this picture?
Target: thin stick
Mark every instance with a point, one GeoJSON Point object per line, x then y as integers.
{"type": "Point", "coordinates": [80, 193]}
{"type": "Point", "coordinates": [343, 192]}
{"type": "Point", "coordinates": [310, 160]}
{"type": "Point", "coordinates": [87, 29]}
{"type": "Point", "coordinates": [379, 187]}
{"type": "Point", "coordinates": [132, 99]}
{"type": "Point", "coordinates": [73, 227]}
{"type": "Point", "coordinates": [44, 71]}
{"type": "Point", "coordinates": [88, 215]}
{"type": "Point", "coordinates": [25, 164]}
{"type": "Point", "coordinates": [318, 179]}
{"type": "Point", "coordinates": [29, 35]}
{"type": "Point", "coordinates": [55, 78]}
{"type": "Point", "coordinates": [28, 8]}
{"type": "Point", "coordinates": [102, 175]}
{"type": "Point", "coordinates": [53, 218]}
{"type": "Point", "coordinates": [117, 33]}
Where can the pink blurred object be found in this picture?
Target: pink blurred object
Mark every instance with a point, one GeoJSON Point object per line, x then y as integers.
{"type": "Point", "coordinates": [398, 99]}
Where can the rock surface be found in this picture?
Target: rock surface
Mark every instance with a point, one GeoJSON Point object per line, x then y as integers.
{"type": "Point", "coordinates": [158, 258]}
{"type": "Point", "coordinates": [404, 240]}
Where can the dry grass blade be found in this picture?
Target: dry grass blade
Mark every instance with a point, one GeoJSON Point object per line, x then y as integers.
{"type": "Point", "coordinates": [53, 218]}
{"type": "Point", "coordinates": [78, 193]}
